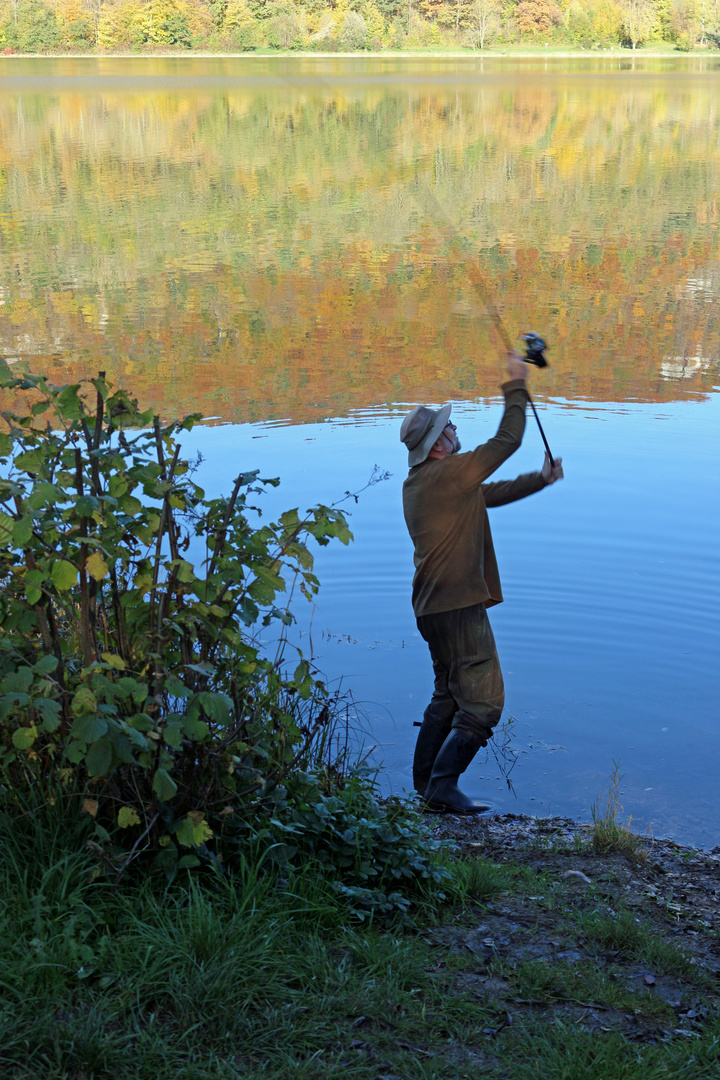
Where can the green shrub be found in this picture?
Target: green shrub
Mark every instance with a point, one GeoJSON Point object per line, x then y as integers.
{"type": "Point", "coordinates": [133, 695]}
{"type": "Point", "coordinates": [379, 856]}
{"type": "Point", "coordinates": [128, 662]}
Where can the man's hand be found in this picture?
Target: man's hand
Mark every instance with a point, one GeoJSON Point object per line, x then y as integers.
{"type": "Point", "coordinates": [517, 368]}
{"type": "Point", "coordinates": [551, 473]}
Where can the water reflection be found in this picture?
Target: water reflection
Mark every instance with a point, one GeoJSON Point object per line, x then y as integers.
{"type": "Point", "coordinates": [274, 250]}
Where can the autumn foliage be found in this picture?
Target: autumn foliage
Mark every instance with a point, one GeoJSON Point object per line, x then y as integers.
{"type": "Point", "coordinates": [43, 26]}
{"type": "Point", "coordinates": [537, 16]}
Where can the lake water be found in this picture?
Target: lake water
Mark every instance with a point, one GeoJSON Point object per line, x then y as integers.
{"type": "Point", "coordinates": [285, 245]}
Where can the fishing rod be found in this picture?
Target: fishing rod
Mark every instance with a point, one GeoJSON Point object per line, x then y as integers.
{"type": "Point", "coordinates": [534, 344]}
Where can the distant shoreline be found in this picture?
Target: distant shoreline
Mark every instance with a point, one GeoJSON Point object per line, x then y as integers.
{"type": "Point", "coordinates": [455, 54]}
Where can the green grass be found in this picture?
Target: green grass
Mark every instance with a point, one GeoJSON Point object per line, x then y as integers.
{"type": "Point", "coordinates": [633, 937]}
{"type": "Point", "coordinates": [249, 974]}
{"type": "Point", "coordinates": [266, 976]}
{"type": "Point", "coordinates": [478, 880]}
{"type": "Point", "coordinates": [231, 971]}
{"type": "Point", "coordinates": [564, 1052]}
{"type": "Point", "coordinates": [651, 50]}
{"type": "Point", "coordinates": [583, 984]}
{"type": "Point", "coordinates": [608, 832]}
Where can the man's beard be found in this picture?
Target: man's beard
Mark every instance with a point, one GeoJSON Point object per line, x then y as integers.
{"type": "Point", "coordinates": [454, 444]}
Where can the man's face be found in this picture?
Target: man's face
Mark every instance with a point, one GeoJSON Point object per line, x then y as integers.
{"type": "Point", "coordinates": [450, 438]}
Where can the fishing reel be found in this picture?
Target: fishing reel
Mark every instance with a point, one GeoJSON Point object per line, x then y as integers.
{"type": "Point", "coordinates": [534, 350]}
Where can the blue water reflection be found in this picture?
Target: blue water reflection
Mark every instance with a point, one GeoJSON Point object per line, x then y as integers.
{"type": "Point", "coordinates": [609, 636]}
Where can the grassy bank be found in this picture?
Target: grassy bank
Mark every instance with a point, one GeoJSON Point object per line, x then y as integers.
{"type": "Point", "coordinates": [656, 50]}
{"type": "Point", "coordinates": [538, 958]}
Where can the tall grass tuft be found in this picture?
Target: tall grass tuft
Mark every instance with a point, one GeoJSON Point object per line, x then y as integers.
{"type": "Point", "coordinates": [608, 833]}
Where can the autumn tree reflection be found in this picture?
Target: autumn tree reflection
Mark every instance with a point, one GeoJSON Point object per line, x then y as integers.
{"type": "Point", "coordinates": [272, 251]}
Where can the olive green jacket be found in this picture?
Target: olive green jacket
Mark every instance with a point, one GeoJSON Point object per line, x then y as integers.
{"type": "Point", "coordinates": [445, 506]}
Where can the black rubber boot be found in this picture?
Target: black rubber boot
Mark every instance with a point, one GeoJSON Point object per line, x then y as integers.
{"type": "Point", "coordinates": [431, 736]}
{"type": "Point", "coordinates": [443, 796]}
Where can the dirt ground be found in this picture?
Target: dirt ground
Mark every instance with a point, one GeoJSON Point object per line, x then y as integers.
{"type": "Point", "coordinates": [669, 971]}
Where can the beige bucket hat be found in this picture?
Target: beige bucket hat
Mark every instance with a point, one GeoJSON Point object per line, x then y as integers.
{"type": "Point", "coordinates": [421, 429]}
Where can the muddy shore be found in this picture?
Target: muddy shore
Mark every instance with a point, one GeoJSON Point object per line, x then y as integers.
{"type": "Point", "coordinates": [580, 921]}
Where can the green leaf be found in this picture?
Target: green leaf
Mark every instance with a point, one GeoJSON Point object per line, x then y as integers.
{"type": "Point", "coordinates": [76, 752]}
{"type": "Point", "coordinates": [269, 578]}
{"type": "Point", "coordinates": [22, 532]}
{"type": "Point", "coordinates": [188, 862]}
{"type": "Point", "coordinates": [122, 748]}
{"type": "Point", "coordinates": [173, 735]}
{"type": "Point", "coordinates": [43, 494]}
{"type": "Point", "coordinates": [89, 728]}
{"type": "Point", "coordinates": [84, 701]}
{"type": "Point", "coordinates": [7, 524]}
{"type": "Point", "coordinates": [167, 861]}
{"type": "Point", "coordinates": [50, 712]}
{"type": "Point", "coordinates": [31, 461]}
{"type": "Point", "coordinates": [127, 817]}
{"type": "Point", "coordinates": [193, 830]}
{"type": "Point", "coordinates": [126, 686]}
{"type": "Point", "coordinates": [136, 738]}
{"type": "Point", "coordinates": [248, 611]}
{"type": "Point", "coordinates": [6, 444]}
{"type": "Point", "coordinates": [114, 661]}
{"type": "Point", "coordinates": [141, 722]}
{"type": "Point", "coordinates": [217, 706]}
{"type": "Point", "coordinates": [290, 520]}
{"type": "Point", "coordinates": [86, 505]}
{"type": "Point", "coordinates": [195, 729]}
{"type": "Point", "coordinates": [64, 574]}
{"type": "Point", "coordinates": [99, 758]}
{"type": "Point", "coordinates": [21, 679]}
{"type": "Point", "coordinates": [118, 485]}
{"type": "Point", "coordinates": [164, 786]}
{"type": "Point", "coordinates": [185, 571]}
{"type": "Point", "coordinates": [131, 506]}
{"type": "Point", "coordinates": [101, 387]}
{"type": "Point", "coordinates": [33, 579]}
{"type": "Point", "coordinates": [46, 664]}
{"type": "Point", "coordinates": [202, 669]}
{"type": "Point", "coordinates": [68, 402]}
{"type": "Point", "coordinates": [301, 671]}
{"type": "Point", "coordinates": [24, 737]}
{"type": "Point", "coordinates": [140, 693]}
{"type": "Point", "coordinates": [96, 566]}
{"type": "Point", "coordinates": [175, 687]}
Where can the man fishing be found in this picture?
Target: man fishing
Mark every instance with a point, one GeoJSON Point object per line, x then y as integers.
{"type": "Point", "coordinates": [456, 579]}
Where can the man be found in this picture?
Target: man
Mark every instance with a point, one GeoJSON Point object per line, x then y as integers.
{"type": "Point", "coordinates": [456, 578]}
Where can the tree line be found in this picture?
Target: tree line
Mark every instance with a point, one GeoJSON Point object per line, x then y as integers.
{"type": "Point", "coordinates": [49, 26]}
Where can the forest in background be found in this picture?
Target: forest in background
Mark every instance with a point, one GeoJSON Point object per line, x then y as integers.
{"type": "Point", "coordinates": [56, 26]}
